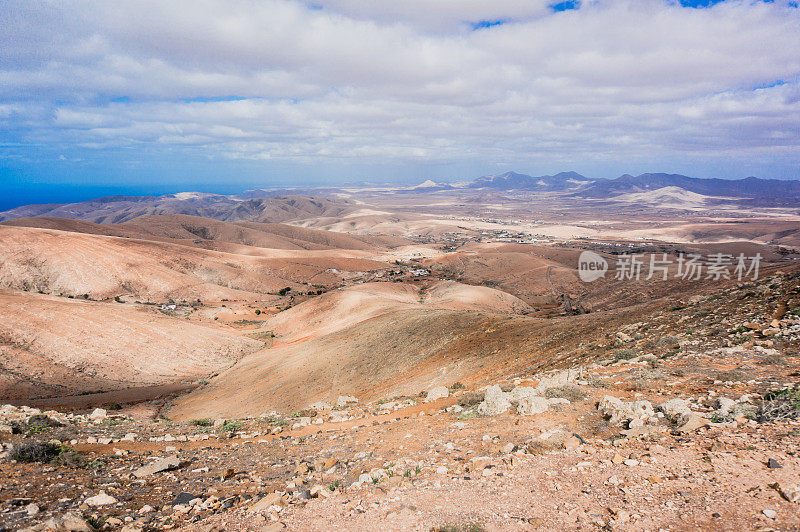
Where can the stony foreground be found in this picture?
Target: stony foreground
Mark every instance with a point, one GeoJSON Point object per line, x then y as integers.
{"type": "Point", "coordinates": [691, 424]}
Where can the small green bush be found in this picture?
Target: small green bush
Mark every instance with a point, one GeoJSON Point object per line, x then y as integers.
{"type": "Point", "coordinates": [232, 426]}
{"type": "Point", "coordinates": [69, 457]}
{"type": "Point", "coordinates": [41, 423]}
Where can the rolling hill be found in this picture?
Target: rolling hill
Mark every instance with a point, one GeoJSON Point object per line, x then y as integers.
{"type": "Point", "coordinates": [104, 267]}
{"type": "Point", "coordinates": [118, 209]}
{"type": "Point", "coordinates": [51, 346]}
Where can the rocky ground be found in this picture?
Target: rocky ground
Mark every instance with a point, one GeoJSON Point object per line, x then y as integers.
{"type": "Point", "coordinates": [691, 420]}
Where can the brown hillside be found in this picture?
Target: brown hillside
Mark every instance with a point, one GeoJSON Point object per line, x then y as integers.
{"type": "Point", "coordinates": [55, 346]}
{"type": "Point", "coordinates": [103, 267]}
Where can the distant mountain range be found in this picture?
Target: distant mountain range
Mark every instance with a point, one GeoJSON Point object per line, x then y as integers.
{"type": "Point", "coordinates": [118, 209]}
{"type": "Point", "coordinates": [514, 180]}
{"type": "Point", "coordinates": [296, 204]}
{"type": "Point", "coordinates": [751, 187]}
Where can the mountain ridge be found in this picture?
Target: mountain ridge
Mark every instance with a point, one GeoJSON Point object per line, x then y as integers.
{"type": "Point", "coordinates": [268, 206]}
{"type": "Point", "coordinates": [602, 188]}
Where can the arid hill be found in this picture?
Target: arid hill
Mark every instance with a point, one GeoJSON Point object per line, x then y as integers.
{"type": "Point", "coordinates": [213, 234]}
{"type": "Point", "coordinates": [380, 339]}
{"type": "Point", "coordinates": [52, 346]}
{"type": "Point", "coordinates": [117, 209]}
{"type": "Point", "coordinates": [346, 307]}
{"type": "Point", "coordinates": [104, 267]}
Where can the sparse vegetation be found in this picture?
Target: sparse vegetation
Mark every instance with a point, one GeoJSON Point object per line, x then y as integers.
{"type": "Point", "coordinates": [596, 382]}
{"type": "Point", "coordinates": [471, 399]}
{"type": "Point", "coordinates": [202, 422]}
{"type": "Point", "coordinates": [231, 426]}
{"type": "Point", "coordinates": [466, 527]}
{"type": "Point", "coordinates": [570, 392]}
{"type": "Point", "coordinates": [779, 405]}
{"type": "Point", "coordinates": [41, 423]}
{"type": "Point", "coordinates": [667, 341]}
{"type": "Point", "coordinates": [456, 386]}
{"type": "Point", "coordinates": [35, 451]}
{"type": "Point", "coordinates": [731, 375]}
{"type": "Point", "coordinates": [773, 360]}
{"type": "Point", "coordinates": [625, 354]}
{"type": "Point", "coordinates": [69, 457]}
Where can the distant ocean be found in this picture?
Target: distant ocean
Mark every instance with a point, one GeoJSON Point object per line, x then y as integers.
{"type": "Point", "coordinates": [16, 194]}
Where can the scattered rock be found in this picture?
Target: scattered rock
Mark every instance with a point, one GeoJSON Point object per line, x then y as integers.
{"type": "Point", "coordinates": [98, 414]}
{"type": "Point", "coordinates": [69, 522]}
{"type": "Point", "coordinates": [437, 392]}
{"type": "Point", "coordinates": [773, 464]}
{"type": "Point", "coordinates": [164, 464]}
{"type": "Point", "coordinates": [268, 501]}
{"type": "Point", "coordinates": [494, 402]}
{"type": "Point", "coordinates": [693, 423]}
{"type": "Point", "coordinates": [791, 494]}
{"type": "Point", "coordinates": [532, 404]}
{"type": "Point", "coordinates": [345, 400]}
{"type": "Point", "coordinates": [183, 498]}
{"type": "Point", "coordinates": [320, 406]}
{"type": "Point", "coordinates": [101, 499]}
{"type": "Point", "coordinates": [572, 443]}
{"type": "Point", "coordinates": [619, 412]}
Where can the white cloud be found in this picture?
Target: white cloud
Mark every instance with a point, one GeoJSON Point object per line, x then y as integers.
{"type": "Point", "coordinates": [403, 80]}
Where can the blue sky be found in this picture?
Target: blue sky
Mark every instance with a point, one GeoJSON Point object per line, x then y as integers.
{"type": "Point", "coordinates": [159, 97]}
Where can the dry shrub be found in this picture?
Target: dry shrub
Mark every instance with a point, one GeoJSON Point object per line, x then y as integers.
{"type": "Point", "coordinates": [780, 405]}
{"type": "Point", "coordinates": [571, 392]}
{"type": "Point", "coordinates": [538, 447]}
{"type": "Point", "coordinates": [35, 451]}
{"type": "Point", "coordinates": [625, 354]}
{"type": "Point", "coordinates": [471, 399]}
{"type": "Point", "coordinates": [730, 375]}
{"type": "Point", "coordinates": [772, 360]}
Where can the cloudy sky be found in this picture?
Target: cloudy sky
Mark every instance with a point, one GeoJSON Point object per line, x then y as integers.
{"type": "Point", "coordinates": [237, 93]}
